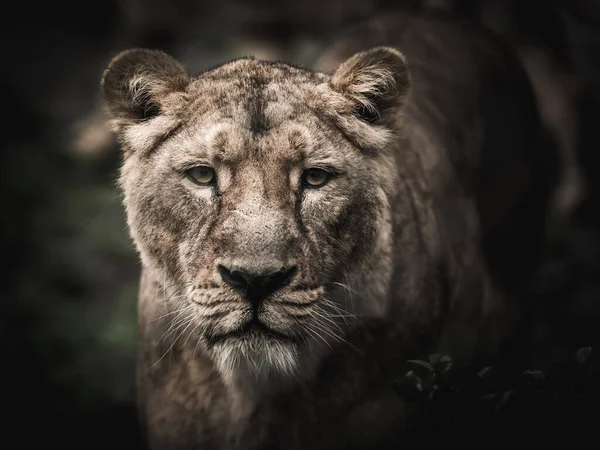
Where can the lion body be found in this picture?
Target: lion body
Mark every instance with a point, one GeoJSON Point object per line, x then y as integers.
{"type": "Point", "coordinates": [431, 246]}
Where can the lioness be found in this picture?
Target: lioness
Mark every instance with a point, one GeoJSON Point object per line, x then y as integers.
{"type": "Point", "coordinates": [302, 233]}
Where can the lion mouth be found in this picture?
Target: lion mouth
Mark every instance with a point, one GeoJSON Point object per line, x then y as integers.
{"type": "Point", "coordinates": [254, 329]}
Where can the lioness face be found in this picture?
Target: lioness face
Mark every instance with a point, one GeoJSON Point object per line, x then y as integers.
{"type": "Point", "coordinates": [253, 191]}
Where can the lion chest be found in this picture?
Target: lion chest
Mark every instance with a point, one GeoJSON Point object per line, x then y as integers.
{"type": "Point", "coordinates": [209, 416]}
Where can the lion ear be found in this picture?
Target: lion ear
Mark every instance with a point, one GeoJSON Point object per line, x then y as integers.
{"type": "Point", "coordinates": [137, 81]}
{"type": "Point", "coordinates": [376, 80]}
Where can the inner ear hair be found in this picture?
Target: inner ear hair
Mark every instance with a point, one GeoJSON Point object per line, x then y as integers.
{"type": "Point", "coordinates": [369, 115]}
{"type": "Point", "coordinates": [137, 79]}
{"type": "Point", "coordinates": [376, 80]}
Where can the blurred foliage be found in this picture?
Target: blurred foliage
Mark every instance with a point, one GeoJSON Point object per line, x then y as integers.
{"type": "Point", "coordinates": [501, 400]}
{"type": "Point", "coordinates": [69, 306]}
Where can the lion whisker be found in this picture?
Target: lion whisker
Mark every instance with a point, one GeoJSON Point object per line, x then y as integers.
{"type": "Point", "coordinates": [189, 323]}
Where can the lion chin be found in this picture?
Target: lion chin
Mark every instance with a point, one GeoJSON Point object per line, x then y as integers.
{"type": "Point", "coordinates": [256, 355]}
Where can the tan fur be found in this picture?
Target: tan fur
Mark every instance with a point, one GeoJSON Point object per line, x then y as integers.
{"type": "Point", "coordinates": [421, 241]}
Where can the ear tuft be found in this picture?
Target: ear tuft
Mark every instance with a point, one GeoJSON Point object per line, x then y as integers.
{"type": "Point", "coordinates": [376, 80]}
{"type": "Point", "coordinates": [137, 80]}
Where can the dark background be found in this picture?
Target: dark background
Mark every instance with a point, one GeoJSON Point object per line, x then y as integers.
{"type": "Point", "coordinates": [70, 272]}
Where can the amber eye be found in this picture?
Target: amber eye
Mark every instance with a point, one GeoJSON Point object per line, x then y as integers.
{"type": "Point", "coordinates": [315, 177]}
{"type": "Point", "coordinates": [202, 175]}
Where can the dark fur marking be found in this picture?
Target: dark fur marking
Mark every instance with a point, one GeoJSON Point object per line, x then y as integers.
{"type": "Point", "coordinates": [256, 103]}
{"type": "Point", "coordinates": [296, 304]}
{"type": "Point", "coordinates": [214, 315]}
{"type": "Point", "coordinates": [298, 213]}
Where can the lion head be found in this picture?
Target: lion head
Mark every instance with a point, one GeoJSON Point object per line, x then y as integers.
{"type": "Point", "coordinates": [260, 192]}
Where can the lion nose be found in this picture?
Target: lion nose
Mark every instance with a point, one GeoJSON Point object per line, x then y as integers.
{"type": "Point", "coordinates": [254, 284]}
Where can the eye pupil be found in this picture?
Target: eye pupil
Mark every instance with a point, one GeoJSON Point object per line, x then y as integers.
{"type": "Point", "coordinates": [201, 174]}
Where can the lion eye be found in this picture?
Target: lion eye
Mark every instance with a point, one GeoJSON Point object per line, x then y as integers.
{"type": "Point", "coordinates": [316, 177]}
{"type": "Point", "coordinates": [202, 175]}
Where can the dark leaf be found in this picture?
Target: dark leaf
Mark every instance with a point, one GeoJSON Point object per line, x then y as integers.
{"type": "Point", "coordinates": [535, 375]}
{"type": "Point", "coordinates": [582, 354]}
{"type": "Point", "coordinates": [421, 363]}
{"type": "Point", "coordinates": [440, 363]}
{"type": "Point", "coordinates": [486, 371]}
{"type": "Point", "coordinates": [504, 400]}
{"type": "Point", "coordinates": [410, 388]}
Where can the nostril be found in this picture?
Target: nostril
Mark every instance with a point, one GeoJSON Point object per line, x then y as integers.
{"type": "Point", "coordinates": [280, 278]}
{"type": "Point", "coordinates": [234, 278]}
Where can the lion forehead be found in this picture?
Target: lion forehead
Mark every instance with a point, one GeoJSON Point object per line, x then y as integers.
{"type": "Point", "coordinates": [292, 135]}
{"type": "Point", "coordinates": [257, 95]}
